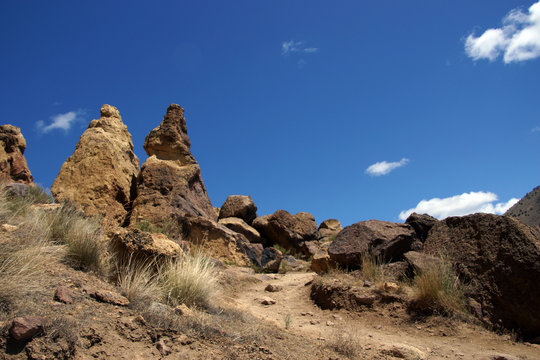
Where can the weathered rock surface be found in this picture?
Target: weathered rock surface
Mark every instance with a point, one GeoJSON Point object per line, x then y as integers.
{"type": "Point", "coordinates": [420, 262]}
{"type": "Point", "coordinates": [240, 226]}
{"type": "Point", "coordinates": [240, 206]}
{"type": "Point", "coordinates": [421, 223]}
{"type": "Point", "coordinates": [321, 263]}
{"type": "Point", "coordinates": [99, 177]}
{"type": "Point", "coordinates": [24, 328]}
{"type": "Point", "coordinates": [379, 238]}
{"type": "Point", "coordinates": [110, 297]}
{"type": "Point", "coordinates": [218, 241]}
{"type": "Point", "coordinates": [329, 228]}
{"type": "Point", "coordinates": [13, 165]}
{"type": "Point", "coordinates": [64, 295]}
{"type": "Point", "coordinates": [287, 230]}
{"type": "Point", "coordinates": [170, 182]}
{"type": "Point", "coordinates": [131, 242]}
{"type": "Point", "coordinates": [271, 259]}
{"type": "Point", "coordinates": [527, 209]}
{"type": "Point", "coordinates": [499, 257]}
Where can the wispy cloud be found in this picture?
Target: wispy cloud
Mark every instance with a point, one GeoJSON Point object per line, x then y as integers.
{"type": "Point", "coordinates": [458, 205]}
{"type": "Point", "coordinates": [289, 47]}
{"type": "Point", "coordinates": [535, 129]}
{"type": "Point", "coordinates": [384, 167]}
{"type": "Point", "coordinates": [518, 39]}
{"type": "Point", "coordinates": [60, 121]}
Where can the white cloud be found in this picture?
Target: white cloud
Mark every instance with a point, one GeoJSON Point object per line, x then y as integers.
{"type": "Point", "coordinates": [60, 121]}
{"type": "Point", "coordinates": [459, 205]}
{"type": "Point", "coordinates": [518, 39]}
{"type": "Point", "coordinates": [288, 47]}
{"type": "Point", "coordinates": [384, 167]}
{"type": "Point", "coordinates": [536, 129]}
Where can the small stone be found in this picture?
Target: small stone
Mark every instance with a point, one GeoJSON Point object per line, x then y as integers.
{"type": "Point", "coordinates": [9, 228]}
{"type": "Point", "coordinates": [368, 283]}
{"type": "Point", "coordinates": [330, 323]}
{"type": "Point", "coordinates": [24, 328]}
{"type": "Point", "coordinates": [163, 348]}
{"type": "Point", "coordinates": [391, 286]}
{"type": "Point", "coordinates": [314, 322]}
{"type": "Point", "coordinates": [273, 288]}
{"type": "Point", "coordinates": [110, 297]}
{"type": "Point", "coordinates": [378, 327]}
{"type": "Point", "coordinates": [64, 295]}
{"type": "Point", "coordinates": [268, 301]}
{"type": "Point", "coordinates": [337, 317]}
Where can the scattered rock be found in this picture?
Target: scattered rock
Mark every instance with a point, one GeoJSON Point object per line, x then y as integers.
{"type": "Point", "coordinates": [241, 227]}
{"type": "Point", "coordinates": [13, 165]}
{"type": "Point", "coordinates": [239, 206]}
{"type": "Point", "coordinates": [24, 328]}
{"type": "Point", "coordinates": [99, 177]}
{"type": "Point", "coordinates": [379, 238]}
{"type": "Point", "coordinates": [404, 351]}
{"type": "Point", "coordinates": [9, 228]}
{"type": "Point", "coordinates": [64, 295]}
{"type": "Point", "coordinates": [287, 230]}
{"type": "Point", "coordinates": [170, 184]}
{"type": "Point", "coordinates": [273, 288]}
{"type": "Point", "coordinates": [391, 287]}
{"type": "Point", "coordinates": [330, 323]}
{"type": "Point", "coordinates": [268, 301]}
{"type": "Point", "coordinates": [134, 243]}
{"type": "Point", "coordinates": [499, 257]}
{"type": "Point", "coordinates": [271, 259]}
{"type": "Point", "coordinates": [110, 297]}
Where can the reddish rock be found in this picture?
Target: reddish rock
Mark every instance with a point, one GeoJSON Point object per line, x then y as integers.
{"type": "Point", "coordinates": [163, 348]}
{"type": "Point", "coordinates": [499, 258]}
{"type": "Point", "coordinates": [239, 206]}
{"type": "Point", "coordinates": [24, 328]}
{"type": "Point", "coordinates": [13, 165]}
{"type": "Point", "coordinates": [170, 182]}
{"type": "Point", "coordinates": [110, 297]}
{"type": "Point", "coordinates": [64, 295]}
{"type": "Point", "coordinates": [379, 238]}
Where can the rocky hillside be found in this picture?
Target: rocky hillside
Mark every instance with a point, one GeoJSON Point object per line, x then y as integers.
{"type": "Point", "coordinates": [527, 209]}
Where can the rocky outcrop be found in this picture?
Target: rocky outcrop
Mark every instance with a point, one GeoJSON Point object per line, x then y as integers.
{"type": "Point", "coordinates": [284, 229]}
{"type": "Point", "coordinates": [499, 257]}
{"type": "Point", "coordinates": [131, 243]}
{"type": "Point", "coordinates": [527, 209]}
{"type": "Point", "coordinates": [328, 228]}
{"type": "Point", "coordinates": [13, 165]}
{"type": "Point", "coordinates": [421, 223]}
{"type": "Point", "coordinates": [170, 182]}
{"type": "Point", "coordinates": [99, 177]}
{"type": "Point", "coordinates": [240, 206]}
{"type": "Point", "coordinates": [240, 226]}
{"type": "Point", "coordinates": [378, 238]}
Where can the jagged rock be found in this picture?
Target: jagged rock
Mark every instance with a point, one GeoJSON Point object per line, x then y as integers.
{"type": "Point", "coordinates": [273, 288]}
{"type": "Point", "coordinates": [421, 262]}
{"type": "Point", "coordinates": [17, 189]}
{"type": "Point", "coordinates": [99, 177]}
{"type": "Point", "coordinates": [379, 238]}
{"type": "Point", "coordinates": [240, 206]}
{"type": "Point", "coordinates": [271, 259]}
{"type": "Point", "coordinates": [170, 182]}
{"type": "Point", "coordinates": [64, 295]}
{"type": "Point", "coordinates": [110, 297]}
{"type": "Point", "coordinates": [287, 230]}
{"type": "Point", "coordinates": [24, 328]}
{"type": "Point", "coordinates": [218, 241]}
{"type": "Point", "coordinates": [329, 227]}
{"type": "Point", "coordinates": [13, 165]}
{"type": "Point", "coordinates": [131, 242]}
{"type": "Point", "coordinates": [421, 223]}
{"type": "Point", "coordinates": [321, 263]}
{"type": "Point", "coordinates": [267, 301]}
{"type": "Point", "coordinates": [240, 226]}
{"type": "Point", "coordinates": [499, 258]}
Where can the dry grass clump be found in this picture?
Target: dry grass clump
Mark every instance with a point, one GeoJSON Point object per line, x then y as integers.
{"type": "Point", "coordinates": [372, 267]}
{"type": "Point", "coordinates": [438, 290]}
{"type": "Point", "coordinates": [190, 280]}
{"type": "Point", "coordinates": [345, 343]}
{"type": "Point", "coordinates": [138, 281]}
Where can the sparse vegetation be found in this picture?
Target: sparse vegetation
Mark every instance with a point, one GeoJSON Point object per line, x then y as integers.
{"type": "Point", "coordinates": [190, 280]}
{"type": "Point", "coordinates": [138, 281]}
{"type": "Point", "coordinates": [145, 225]}
{"type": "Point", "coordinates": [438, 290]}
{"type": "Point", "coordinates": [287, 321]}
{"type": "Point", "coordinates": [372, 267]}
{"type": "Point", "coordinates": [345, 343]}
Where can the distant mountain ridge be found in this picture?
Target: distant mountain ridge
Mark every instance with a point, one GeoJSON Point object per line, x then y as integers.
{"type": "Point", "coordinates": [527, 209]}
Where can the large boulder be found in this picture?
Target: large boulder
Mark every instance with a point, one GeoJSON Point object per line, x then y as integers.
{"type": "Point", "coordinates": [378, 238]}
{"type": "Point", "coordinates": [13, 165]}
{"type": "Point", "coordinates": [240, 206]}
{"type": "Point", "coordinates": [329, 228]}
{"type": "Point", "coordinates": [499, 257]}
{"type": "Point", "coordinates": [421, 223]}
{"type": "Point", "coordinates": [170, 181]}
{"type": "Point", "coordinates": [134, 243]}
{"type": "Point", "coordinates": [240, 226]}
{"type": "Point", "coordinates": [286, 230]}
{"type": "Point", "coordinates": [218, 241]}
{"type": "Point", "coordinates": [99, 177]}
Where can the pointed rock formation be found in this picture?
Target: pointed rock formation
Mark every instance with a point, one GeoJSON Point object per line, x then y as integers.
{"type": "Point", "coordinates": [527, 209]}
{"type": "Point", "coordinates": [99, 177]}
{"type": "Point", "coordinates": [170, 182]}
{"type": "Point", "coordinates": [13, 165]}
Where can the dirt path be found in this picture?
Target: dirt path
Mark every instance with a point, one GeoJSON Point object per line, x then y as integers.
{"type": "Point", "coordinates": [377, 334]}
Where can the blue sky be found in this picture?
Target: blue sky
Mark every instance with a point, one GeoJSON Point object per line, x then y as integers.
{"type": "Point", "coordinates": [292, 102]}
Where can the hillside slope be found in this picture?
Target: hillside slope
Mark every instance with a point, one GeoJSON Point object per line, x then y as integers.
{"type": "Point", "coordinates": [527, 209]}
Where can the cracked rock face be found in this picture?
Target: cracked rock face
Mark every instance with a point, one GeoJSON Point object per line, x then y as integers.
{"type": "Point", "coordinates": [170, 182]}
{"type": "Point", "coordinates": [99, 177]}
{"type": "Point", "coordinates": [13, 165]}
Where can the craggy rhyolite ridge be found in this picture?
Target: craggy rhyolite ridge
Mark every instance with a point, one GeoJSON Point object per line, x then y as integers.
{"type": "Point", "coordinates": [13, 165]}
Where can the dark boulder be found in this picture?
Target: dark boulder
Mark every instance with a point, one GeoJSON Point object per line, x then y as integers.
{"type": "Point", "coordinates": [239, 206]}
